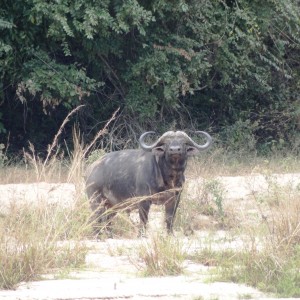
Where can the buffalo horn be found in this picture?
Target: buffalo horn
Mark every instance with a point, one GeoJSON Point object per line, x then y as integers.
{"type": "Point", "coordinates": [142, 143]}
{"type": "Point", "coordinates": [206, 145]}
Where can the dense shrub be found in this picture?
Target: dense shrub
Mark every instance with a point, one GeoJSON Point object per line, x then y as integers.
{"type": "Point", "coordinates": [180, 64]}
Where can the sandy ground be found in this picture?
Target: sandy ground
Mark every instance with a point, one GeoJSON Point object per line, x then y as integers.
{"type": "Point", "coordinates": [109, 276]}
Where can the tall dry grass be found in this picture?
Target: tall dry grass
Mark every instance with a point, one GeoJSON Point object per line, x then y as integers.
{"type": "Point", "coordinates": [31, 241]}
{"type": "Point", "coordinates": [36, 240]}
{"type": "Point", "coordinates": [41, 237]}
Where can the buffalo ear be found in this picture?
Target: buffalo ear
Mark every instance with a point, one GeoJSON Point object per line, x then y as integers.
{"type": "Point", "coordinates": [159, 151]}
{"type": "Point", "coordinates": [192, 151]}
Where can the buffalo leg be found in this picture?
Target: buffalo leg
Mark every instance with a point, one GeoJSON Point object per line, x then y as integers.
{"type": "Point", "coordinates": [102, 221]}
{"type": "Point", "coordinates": [101, 216]}
{"type": "Point", "coordinates": [98, 209]}
{"type": "Point", "coordinates": [144, 208]}
{"type": "Point", "coordinates": [96, 219]}
{"type": "Point", "coordinates": [170, 211]}
{"type": "Point", "coordinates": [108, 227]}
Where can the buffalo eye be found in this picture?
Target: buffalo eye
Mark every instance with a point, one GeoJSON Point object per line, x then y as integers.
{"type": "Point", "coordinates": [158, 150]}
{"type": "Point", "coordinates": [191, 150]}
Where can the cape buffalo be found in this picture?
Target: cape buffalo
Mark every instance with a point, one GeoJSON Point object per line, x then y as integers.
{"type": "Point", "coordinates": [154, 174]}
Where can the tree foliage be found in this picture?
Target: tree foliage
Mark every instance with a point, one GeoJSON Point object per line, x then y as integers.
{"type": "Point", "coordinates": [221, 64]}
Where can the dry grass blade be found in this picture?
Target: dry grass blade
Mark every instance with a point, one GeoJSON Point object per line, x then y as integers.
{"type": "Point", "coordinates": [54, 142]}
{"type": "Point", "coordinates": [132, 204]}
{"type": "Point", "coordinates": [100, 133]}
{"type": "Point", "coordinates": [80, 152]}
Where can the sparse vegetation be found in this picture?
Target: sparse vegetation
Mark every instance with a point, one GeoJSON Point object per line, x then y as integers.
{"type": "Point", "coordinates": [37, 239]}
{"type": "Point", "coordinates": [160, 255]}
{"type": "Point", "coordinates": [41, 237]}
{"type": "Point", "coordinates": [214, 189]}
{"type": "Point", "coordinates": [204, 208]}
{"type": "Point", "coordinates": [268, 261]}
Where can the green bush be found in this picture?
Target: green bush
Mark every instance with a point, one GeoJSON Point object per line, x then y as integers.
{"type": "Point", "coordinates": [219, 64]}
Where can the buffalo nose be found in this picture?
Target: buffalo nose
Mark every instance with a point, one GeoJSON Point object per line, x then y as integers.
{"type": "Point", "coordinates": [175, 149]}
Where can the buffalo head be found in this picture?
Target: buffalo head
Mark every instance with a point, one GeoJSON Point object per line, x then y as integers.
{"type": "Point", "coordinates": [175, 145]}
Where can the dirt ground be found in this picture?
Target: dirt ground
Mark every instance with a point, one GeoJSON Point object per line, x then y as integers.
{"type": "Point", "coordinates": [109, 276]}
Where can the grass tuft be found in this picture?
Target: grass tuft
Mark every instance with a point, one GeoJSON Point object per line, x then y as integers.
{"type": "Point", "coordinates": [160, 255]}
{"type": "Point", "coordinates": [36, 239]}
{"type": "Point", "coordinates": [269, 258]}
